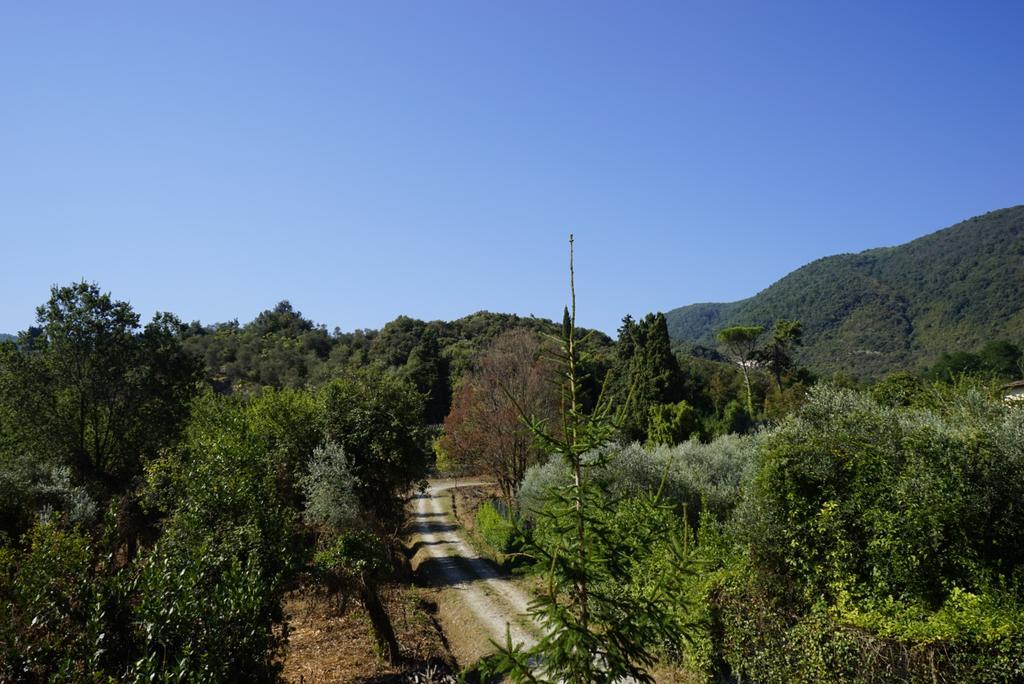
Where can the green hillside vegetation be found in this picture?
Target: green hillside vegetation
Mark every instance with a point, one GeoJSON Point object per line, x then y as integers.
{"type": "Point", "coordinates": [281, 348]}
{"type": "Point", "coordinates": [893, 308]}
{"type": "Point", "coordinates": [149, 527]}
{"type": "Point", "coordinates": [163, 486]}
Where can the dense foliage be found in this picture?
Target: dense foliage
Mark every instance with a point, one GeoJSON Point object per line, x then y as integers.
{"type": "Point", "coordinates": [644, 375]}
{"type": "Point", "coordinates": [857, 541]}
{"type": "Point", "coordinates": [90, 390]}
{"type": "Point", "coordinates": [150, 528]}
{"type": "Point", "coordinates": [281, 348]}
{"type": "Point", "coordinates": [150, 523]}
{"type": "Point", "coordinates": [893, 308]}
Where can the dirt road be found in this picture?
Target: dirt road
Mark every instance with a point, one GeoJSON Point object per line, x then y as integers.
{"type": "Point", "coordinates": [476, 603]}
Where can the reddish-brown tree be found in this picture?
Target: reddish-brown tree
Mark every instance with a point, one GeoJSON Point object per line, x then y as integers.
{"type": "Point", "coordinates": [483, 433]}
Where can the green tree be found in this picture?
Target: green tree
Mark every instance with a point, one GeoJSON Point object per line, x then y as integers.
{"type": "Point", "coordinates": [898, 389]}
{"type": "Point", "coordinates": [377, 418]}
{"type": "Point", "coordinates": [427, 369]}
{"type": "Point", "coordinates": [393, 345]}
{"type": "Point", "coordinates": [592, 631]}
{"type": "Point", "coordinates": [92, 390]}
{"type": "Point", "coordinates": [739, 343]}
{"type": "Point", "coordinates": [777, 355]}
{"type": "Point", "coordinates": [672, 423]}
{"type": "Point", "coordinates": [646, 372]}
{"type": "Point", "coordinates": [952, 365]}
{"type": "Point", "coordinates": [1002, 359]}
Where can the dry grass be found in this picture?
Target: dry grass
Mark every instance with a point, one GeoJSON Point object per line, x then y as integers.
{"type": "Point", "coordinates": [465, 500]}
{"type": "Point", "coordinates": [326, 645]}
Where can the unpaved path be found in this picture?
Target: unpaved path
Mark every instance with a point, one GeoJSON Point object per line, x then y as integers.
{"type": "Point", "coordinates": [477, 604]}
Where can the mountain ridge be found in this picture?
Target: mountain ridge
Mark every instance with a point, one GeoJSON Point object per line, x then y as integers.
{"type": "Point", "coordinates": [888, 308]}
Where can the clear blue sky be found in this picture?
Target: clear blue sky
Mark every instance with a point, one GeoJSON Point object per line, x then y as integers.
{"type": "Point", "coordinates": [365, 160]}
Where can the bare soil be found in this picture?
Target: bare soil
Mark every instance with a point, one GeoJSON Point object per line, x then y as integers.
{"type": "Point", "coordinates": [328, 645]}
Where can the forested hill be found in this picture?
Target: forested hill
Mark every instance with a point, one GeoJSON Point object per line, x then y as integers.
{"type": "Point", "coordinates": [282, 348]}
{"type": "Point", "coordinates": [897, 307]}
{"type": "Point", "coordinates": [4, 337]}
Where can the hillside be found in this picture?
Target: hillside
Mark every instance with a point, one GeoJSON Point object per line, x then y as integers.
{"type": "Point", "coordinates": [4, 337]}
{"type": "Point", "coordinates": [898, 307]}
{"type": "Point", "coordinates": [282, 348]}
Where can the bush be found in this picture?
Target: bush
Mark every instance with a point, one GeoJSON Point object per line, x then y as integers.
{"type": "Point", "coordinates": [885, 544]}
{"type": "Point", "coordinates": [695, 475]}
{"type": "Point", "coordinates": [972, 639]}
{"type": "Point", "coordinates": [670, 424]}
{"type": "Point", "coordinates": [30, 490]}
{"type": "Point", "coordinates": [498, 532]}
{"type": "Point", "coordinates": [205, 610]}
{"type": "Point", "coordinates": [354, 554]}
{"type": "Point", "coordinates": [330, 489]}
{"type": "Point", "coordinates": [856, 498]}
{"type": "Point", "coordinates": [52, 617]}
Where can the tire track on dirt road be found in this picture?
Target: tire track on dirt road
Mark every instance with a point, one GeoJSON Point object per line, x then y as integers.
{"type": "Point", "coordinates": [444, 560]}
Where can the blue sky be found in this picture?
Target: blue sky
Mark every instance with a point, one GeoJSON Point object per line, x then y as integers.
{"type": "Point", "coordinates": [430, 158]}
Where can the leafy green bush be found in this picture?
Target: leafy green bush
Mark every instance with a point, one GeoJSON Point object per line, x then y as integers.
{"type": "Point", "coordinates": [899, 389]}
{"type": "Point", "coordinates": [225, 476]}
{"type": "Point", "coordinates": [32, 489]}
{"type": "Point", "coordinates": [971, 639]}
{"type": "Point", "coordinates": [207, 596]}
{"type": "Point", "coordinates": [695, 474]}
{"type": "Point", "coordinates": [52, 608]}
{"type": "Point", "coordinates": [205, 610]}
{"type": "Point", "coordinates": [671, 423]}
{"type": "Point", "coordinates": [498, 532]}
{"type": "Point", "coordinates": [856, 498]}
{"type": "Point", "coordinates": [354, 554]}
{"type": "Point", "coordinates": [882, 543]}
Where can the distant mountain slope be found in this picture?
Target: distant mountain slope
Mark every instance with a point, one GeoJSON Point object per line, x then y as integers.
{"type": "Point", "coordinates": [897, 307]}
{"type": "Point", "coordinates": [4, 337]}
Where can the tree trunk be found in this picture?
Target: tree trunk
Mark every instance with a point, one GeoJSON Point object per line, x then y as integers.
{"type": "Point", "coordinates": [746, 381]}
{"type": "Point", "coordinates": [382, 628]}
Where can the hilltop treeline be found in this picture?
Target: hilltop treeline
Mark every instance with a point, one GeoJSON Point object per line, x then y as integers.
{"type": "Point", "coordinates": [890, 309]}
{"type": "Point", "coordinates": [281, 348]}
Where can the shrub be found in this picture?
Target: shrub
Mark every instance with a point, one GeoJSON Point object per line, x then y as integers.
{"type": "Point", "coordinates": [30, 490]}
{"type": "Point", "coordinates": [885, 544]}
{"type": "Point", "coordinates": [695, 474]}
{"type": "Point", "coordinates": [971, 639]}
{"type": "Point", "coordinates": [498, 532]}
{"type": "Point", "coordinates": [330, 489]}
{"type": "Point", "coordinates": [855, 497]}
{"type": "Point", "coordinates": [671, 423]}
{"type": "Point", "coordinates": [52, 617]}
{"type": "Point", "coordinates": [354, 554]}
{"type": "Point", "coordinates": [205, 610]}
